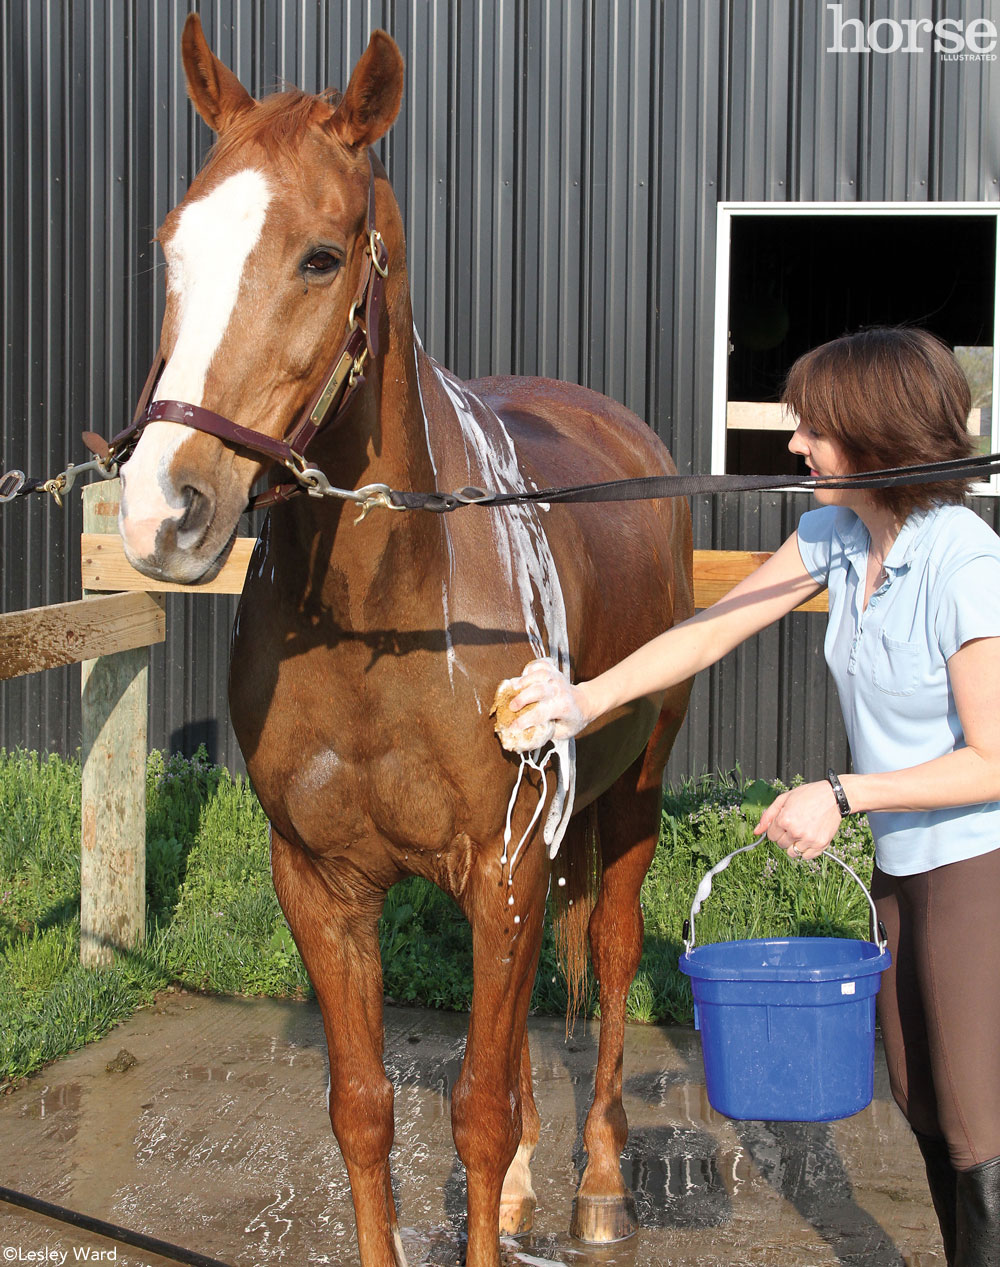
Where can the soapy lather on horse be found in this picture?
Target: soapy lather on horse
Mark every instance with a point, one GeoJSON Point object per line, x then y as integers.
{"type": "Point", "coordinates": [365, 658]}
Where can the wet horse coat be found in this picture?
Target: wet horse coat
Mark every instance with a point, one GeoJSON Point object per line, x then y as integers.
{"type": "Point", "coordinates": [365, 657]}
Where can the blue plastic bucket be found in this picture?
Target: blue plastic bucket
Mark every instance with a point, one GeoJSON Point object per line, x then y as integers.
{"type": "Point", "coordinates": [787, 1025]}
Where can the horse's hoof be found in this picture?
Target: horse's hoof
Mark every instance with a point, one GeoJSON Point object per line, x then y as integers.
{"type": "Point", "coordinates": [602, 1220]}
{"type": "Point", "coordinates": [517, 1216]}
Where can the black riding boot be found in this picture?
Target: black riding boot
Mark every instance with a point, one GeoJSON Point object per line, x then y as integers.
{"type": "Point", "coordinates": [941, 1180]}
{"type": "Point", "coordinates": [978, 1222]}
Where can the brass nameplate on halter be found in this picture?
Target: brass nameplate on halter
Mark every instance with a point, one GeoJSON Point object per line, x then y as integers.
{"type": "Point", "coordinates": [332, 389]}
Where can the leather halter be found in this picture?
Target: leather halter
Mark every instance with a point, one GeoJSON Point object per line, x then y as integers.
{"type": "Point", "coordinates": [344, 376]}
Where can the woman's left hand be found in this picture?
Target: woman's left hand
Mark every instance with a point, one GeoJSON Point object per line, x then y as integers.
{"type": "Point", "coordinates": [802, 821]}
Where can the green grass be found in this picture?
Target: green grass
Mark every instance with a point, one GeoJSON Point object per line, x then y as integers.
{"type": "Point", "coordinates": [214, 923]}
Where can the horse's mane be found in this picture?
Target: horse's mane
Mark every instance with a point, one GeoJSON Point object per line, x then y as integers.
{"type": "Point", "coordinates": [278, 123]}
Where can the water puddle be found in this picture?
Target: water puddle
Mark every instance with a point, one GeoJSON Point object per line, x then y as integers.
{"type": "Point", "coordinates": [218, 1137]}
{"type": "Point", "coordinates": [55, 1099]}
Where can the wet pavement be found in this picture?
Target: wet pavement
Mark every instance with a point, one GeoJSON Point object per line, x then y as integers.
{"type": "Point", "coordinates": [217, 1139]}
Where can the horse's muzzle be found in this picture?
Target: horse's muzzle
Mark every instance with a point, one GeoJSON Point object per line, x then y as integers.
{"type": "Point", "coordinates": [181, 540]}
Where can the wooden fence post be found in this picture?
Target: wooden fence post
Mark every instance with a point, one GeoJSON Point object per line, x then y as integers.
{"type": "Point", "coordinates": [115, 693]}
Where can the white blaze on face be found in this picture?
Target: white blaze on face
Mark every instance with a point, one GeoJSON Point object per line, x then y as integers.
{"type": "Point", "coordinates": [206, 256]}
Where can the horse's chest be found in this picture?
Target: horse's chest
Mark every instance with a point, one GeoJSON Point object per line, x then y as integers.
{"type": "Point", "coordinates": [338, 800]}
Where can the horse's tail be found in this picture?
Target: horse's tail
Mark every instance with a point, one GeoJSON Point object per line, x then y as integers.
{"type": "Point", "coordinates": [572, 904]}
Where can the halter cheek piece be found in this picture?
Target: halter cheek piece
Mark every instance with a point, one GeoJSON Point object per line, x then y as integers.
{"type": "Point", "coordinates": [342, 379]}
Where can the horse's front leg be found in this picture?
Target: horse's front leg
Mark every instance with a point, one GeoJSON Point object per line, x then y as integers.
{"type": "Point", "coordinates": [487, 1099]}
{"type": "Point", "coordinates": [334, 920]}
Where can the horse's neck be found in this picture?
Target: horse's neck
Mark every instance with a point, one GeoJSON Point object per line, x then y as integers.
{"type": "Point", "coordinates": [383, 439]}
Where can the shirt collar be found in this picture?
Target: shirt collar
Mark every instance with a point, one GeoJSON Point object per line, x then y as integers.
{"type": "Point", "coordinates": [855, 539]}
{"type": "Point", "coordinates": [911, 535]}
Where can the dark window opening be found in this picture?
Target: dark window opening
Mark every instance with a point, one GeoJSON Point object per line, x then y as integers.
{"type": "Point", "coordinates": [799, 280]}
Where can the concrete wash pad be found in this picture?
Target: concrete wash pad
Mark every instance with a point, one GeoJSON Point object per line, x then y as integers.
{"type": "Point", "coordinates": [217, 1139]}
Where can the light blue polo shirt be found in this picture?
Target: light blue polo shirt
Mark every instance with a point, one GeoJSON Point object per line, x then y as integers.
{"type": "Point", "coordinates": [890, 662]}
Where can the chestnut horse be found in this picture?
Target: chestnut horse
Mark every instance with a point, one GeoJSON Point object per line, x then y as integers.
{"type": "Point", "coordinates": [365, 658]}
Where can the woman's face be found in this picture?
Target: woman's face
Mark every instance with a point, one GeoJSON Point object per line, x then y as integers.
{"type": "Point", "coordinates": [824, 456]}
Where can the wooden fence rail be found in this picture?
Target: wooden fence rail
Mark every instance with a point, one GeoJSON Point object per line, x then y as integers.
{"type": "Point", "coordinates": [66, 633]}
{"type": "Point", "coordinates": [105, 567]}
{"type": "Point", "coordinates": [110, 631]}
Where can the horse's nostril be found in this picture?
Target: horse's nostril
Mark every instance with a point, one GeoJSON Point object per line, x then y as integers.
{"type": "Point", "coordinates": [199, 507]}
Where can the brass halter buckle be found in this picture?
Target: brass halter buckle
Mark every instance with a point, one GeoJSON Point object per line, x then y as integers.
{"type": "Point", "coordinates": [374, 241]}
{"type": "Point", "coordinates": [357, 375]}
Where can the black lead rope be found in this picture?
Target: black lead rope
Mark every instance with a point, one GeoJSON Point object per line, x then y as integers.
{"type": "Point", "coordinates": [111, 1231]}
{"type": "Point", "coordinates": [690, 485]}
{"type": "Point", "coordinates": [16, 484]}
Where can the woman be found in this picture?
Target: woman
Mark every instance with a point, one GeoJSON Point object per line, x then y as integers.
{"type": "Point", "coordinates": [913, 643]}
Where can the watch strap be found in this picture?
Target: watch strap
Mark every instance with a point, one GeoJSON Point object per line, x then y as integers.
{"type": "Point", "coordinates": [839, 793]}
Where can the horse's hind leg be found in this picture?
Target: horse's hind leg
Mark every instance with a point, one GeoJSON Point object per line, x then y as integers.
{"type": "Point", "coordinates": [628, 819]}
{"type": "Point", "coordinates": [335, 926]}
{"type": "Point", "coordinates": [517, 1198]}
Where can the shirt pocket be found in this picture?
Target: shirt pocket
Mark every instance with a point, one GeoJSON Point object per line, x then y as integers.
{"type": "Point", "coordinates": [896, 670]}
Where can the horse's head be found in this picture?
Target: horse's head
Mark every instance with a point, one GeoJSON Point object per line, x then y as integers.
{"type": "Point", "coordinates": [264, 257]}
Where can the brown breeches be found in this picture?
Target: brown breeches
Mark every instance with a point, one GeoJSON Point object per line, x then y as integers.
{"type": "Point", "coordinates": [939, 1005]}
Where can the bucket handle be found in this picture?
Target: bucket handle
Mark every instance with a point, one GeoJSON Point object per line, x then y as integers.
{"type": "Point", "coordinates": [705, 888]}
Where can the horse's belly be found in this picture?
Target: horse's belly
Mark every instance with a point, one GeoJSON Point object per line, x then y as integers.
{"type": "Point", "coordinates": [606, 751]}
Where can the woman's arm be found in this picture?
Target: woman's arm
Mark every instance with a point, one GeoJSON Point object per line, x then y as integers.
{"type": "Point", "coordinates": [807, 817]}
{"type": "Point", "coordinates": [775, 588]}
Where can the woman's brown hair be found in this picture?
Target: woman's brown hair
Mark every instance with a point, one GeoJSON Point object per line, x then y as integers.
{"type": "Point", "coordinates": [889, 396]}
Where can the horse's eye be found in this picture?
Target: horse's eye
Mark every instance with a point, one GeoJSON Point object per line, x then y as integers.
{"type": "Point", "coordinates": [320, 264]}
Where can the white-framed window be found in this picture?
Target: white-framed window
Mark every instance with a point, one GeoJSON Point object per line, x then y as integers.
{"type": "Point", "coordinates": [790, 276]}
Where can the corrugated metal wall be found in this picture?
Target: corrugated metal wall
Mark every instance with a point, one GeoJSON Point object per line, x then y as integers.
{"type": "Point", "coordinates": [559, 164]}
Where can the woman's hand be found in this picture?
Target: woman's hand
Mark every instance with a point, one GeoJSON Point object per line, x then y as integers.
{"type": "Point", "coordinates": [802, 821]}
{"type": "Point", "coordinates": [550, 701]}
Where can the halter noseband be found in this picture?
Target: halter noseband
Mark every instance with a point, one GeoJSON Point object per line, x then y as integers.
{"type": "Point", "coordinates": [344, 376]}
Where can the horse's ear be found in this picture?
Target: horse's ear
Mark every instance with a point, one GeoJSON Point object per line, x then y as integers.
{"type": "Point", "coordinates": [217, 94]}
{"type": "Point", "coordinates": [370, 105]}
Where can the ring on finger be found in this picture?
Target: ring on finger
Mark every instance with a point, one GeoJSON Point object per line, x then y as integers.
{"type": "Point", "coordinates": [797, 851]}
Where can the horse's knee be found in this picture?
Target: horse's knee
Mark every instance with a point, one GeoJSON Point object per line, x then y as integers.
{"type": "Point", "coordinates": [362, 1120]}
{"type": "Point", "coordinates": [486, 1127]}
